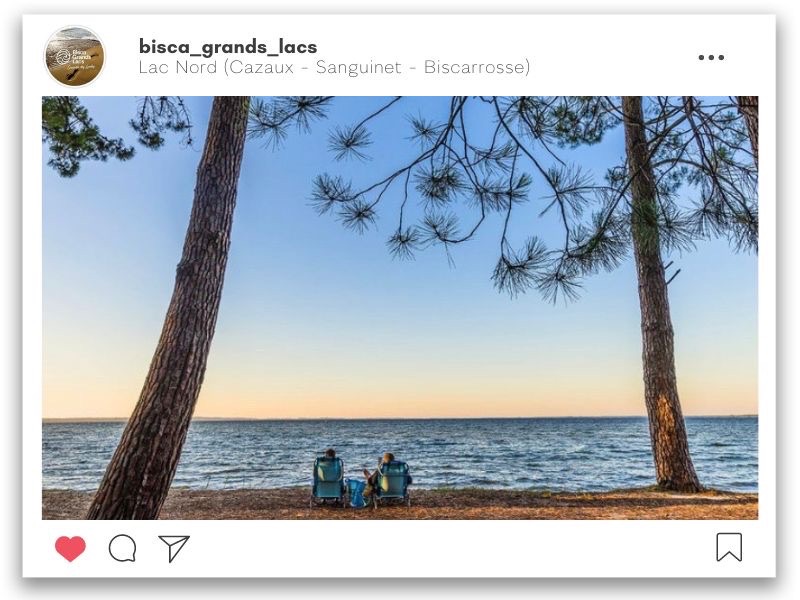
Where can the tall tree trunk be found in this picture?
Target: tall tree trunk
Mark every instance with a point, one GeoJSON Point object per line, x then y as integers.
{"type": "Point", "coordinates": [674, 468]}
{"type": "Point", "coordinates": [748, 108]}
{"type": "Point", "coordinates": [138, 477]}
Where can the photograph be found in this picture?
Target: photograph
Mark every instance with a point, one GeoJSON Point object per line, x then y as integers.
{"type": "Point", "coordinates": [368, 307]}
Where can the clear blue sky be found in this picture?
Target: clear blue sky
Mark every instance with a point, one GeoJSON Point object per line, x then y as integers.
{"type": "Point", "coordinates": [319, 321]}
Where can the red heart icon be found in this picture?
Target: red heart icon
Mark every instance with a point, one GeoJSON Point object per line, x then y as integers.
{"type": "Point", "coordinates": [70, 548]}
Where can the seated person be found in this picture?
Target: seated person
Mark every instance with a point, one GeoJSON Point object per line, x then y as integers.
{"type": "Point", "coordinates": [330, 453]}
{"type": "Point", "coordinates": [372, 479]}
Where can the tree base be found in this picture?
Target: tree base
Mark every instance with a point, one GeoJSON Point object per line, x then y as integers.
{"type": "Point", "coordinates": [688, 487]}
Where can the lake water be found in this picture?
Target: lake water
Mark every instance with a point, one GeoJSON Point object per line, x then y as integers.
{"type": "Point", "coordinates": [591, 454]}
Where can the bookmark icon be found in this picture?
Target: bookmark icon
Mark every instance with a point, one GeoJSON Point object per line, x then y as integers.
{"type": "Point", "coordinates": [729, 544]}
{"type": "Point", "coordinates": [175, 543]}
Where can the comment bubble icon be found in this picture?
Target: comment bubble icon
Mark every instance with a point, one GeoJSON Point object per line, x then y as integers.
{"type": "Point", "coordinates": [122, 548]}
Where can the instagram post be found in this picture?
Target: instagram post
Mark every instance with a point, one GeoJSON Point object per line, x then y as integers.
{"type": "Point", "coordinates": [303, 278]}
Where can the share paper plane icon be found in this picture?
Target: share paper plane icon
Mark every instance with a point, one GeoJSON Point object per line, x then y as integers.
{"type": "Point", "coordinates": [175, 543]}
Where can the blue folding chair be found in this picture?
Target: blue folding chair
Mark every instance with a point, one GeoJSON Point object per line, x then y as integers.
{"type": "Point", "coordinates": [392, 483]}
{"type": "Point", "coordinates": [328, 485]}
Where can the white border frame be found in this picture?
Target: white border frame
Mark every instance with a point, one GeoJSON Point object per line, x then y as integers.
{"type": "Point", "coordinates": [437, 548]}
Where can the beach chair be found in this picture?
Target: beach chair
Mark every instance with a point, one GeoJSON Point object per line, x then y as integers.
{"type": "Point", "coordinates": [328, 483]}
{"type": "Point", "coordinates": [392, 484]}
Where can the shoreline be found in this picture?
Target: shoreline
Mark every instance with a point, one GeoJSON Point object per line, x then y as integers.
{"type": "Point", "coordinates": [89, 420]}
{"type": "Point", "coordinates": [442, 503]}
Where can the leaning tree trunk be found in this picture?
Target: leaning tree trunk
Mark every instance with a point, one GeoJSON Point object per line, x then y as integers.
{"type": "Point", "coordinates": [137, 480]}
{"type": "Point", "coordinates": [748, 108]}
{"type": "Point", "coordinates": [674, 469]}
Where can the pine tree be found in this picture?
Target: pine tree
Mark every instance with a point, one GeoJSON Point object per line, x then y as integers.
{"type": "Point", "coordinates": [748, 107]}
{"type": "Point", "coordinates": [686, 141]}
{"type": "Point", "coordinates": [685, 144]}
{"type": "Point", "coordinates": [139, 475]}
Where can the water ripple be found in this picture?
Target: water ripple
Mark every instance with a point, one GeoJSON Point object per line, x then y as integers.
{"type": "Point", "coordinates": [591, 454]}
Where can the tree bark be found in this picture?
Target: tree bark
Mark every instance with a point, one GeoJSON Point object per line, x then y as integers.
{"type": "Point", "coordinates": [748, 108]}
{"type": "Point", "coordinates": [673, 463]}
{"type": "Point", "coordinates": [139, 475]}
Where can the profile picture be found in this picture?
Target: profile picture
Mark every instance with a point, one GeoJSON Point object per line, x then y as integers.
{"type": "Point", "coordinates": [74, 56]}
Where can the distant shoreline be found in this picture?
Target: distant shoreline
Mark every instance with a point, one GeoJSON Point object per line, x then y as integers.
{"type": "Point", "coordinates": [284, 419]}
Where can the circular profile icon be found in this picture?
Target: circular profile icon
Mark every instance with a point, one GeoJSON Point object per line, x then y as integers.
{"type": "Point", "coordinates": [74, 56]}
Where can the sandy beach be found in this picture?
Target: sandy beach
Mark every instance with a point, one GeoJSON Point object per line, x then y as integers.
{"type": "Point", "coordinates": [292, 503]}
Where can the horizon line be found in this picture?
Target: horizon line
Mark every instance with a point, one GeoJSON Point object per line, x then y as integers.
{"type": "Point", "coordinates": [387, 418]}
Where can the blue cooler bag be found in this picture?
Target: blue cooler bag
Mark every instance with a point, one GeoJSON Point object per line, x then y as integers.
{"type": "Point", "coordinates": [355, 488]}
